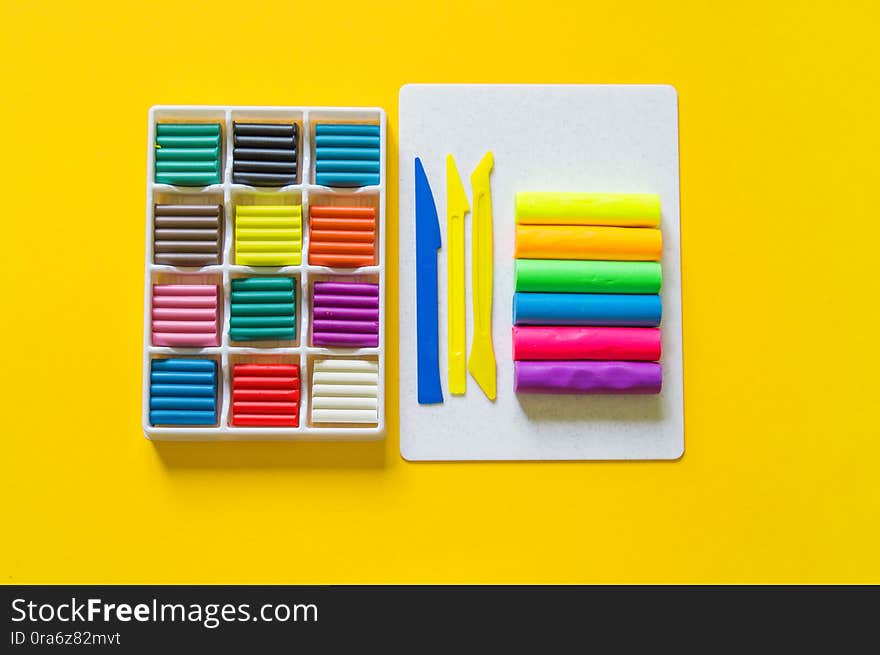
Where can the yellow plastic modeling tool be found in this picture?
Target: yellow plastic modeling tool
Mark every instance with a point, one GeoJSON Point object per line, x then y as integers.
{"type": "Point", "coordinates": [456, 208]}
{"type": "Point", "coordinates": [482, 360]}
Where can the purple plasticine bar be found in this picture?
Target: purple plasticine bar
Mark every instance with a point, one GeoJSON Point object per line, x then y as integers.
{"type": "Point", "coordinates": [333, 302]}
{"type": "Point", "coordinates": [346, 314]}
{"type": "Point", "coordinates": [347, 288]}
{"type": "Point", "coordinates": [346, 340]}
{"type": "Point", "coordinates": [588, 377]}
{"type": "Point", "coordinates": [363, 327]}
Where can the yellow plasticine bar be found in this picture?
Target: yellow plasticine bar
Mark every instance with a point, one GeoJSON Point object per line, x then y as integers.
{"type": "Point", "coordinates": [267, 221]}
{"type": "Point", "coordinates": [456, 208]}
{"type": "Point", "coordinates": [587, 242]}
{"type": "Point", "coordinates": [268, 246]}
{"type": "Point", "coordinates": [268, 210]}
{"type": "Point", "coordinates": [268, 259]}
{"type": "Point", "coordinates": [610, 209]}
{"type": "Point", "coordinates": [268, 234]}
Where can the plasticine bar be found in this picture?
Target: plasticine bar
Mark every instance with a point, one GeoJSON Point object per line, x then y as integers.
{"type": "Point", "coordinates": [188, 129]}
{"type": "Point", "coordinates": [345, 340]}
{"type": "Point", "coordinates": [188, 179]}
{"type": "Point", "coordinates": [588, 377]}
{"type": "Point", "coordinates": [346, 154]}
{"type": "Point", "coordinates": [346, 313]}
{"type": "Point", "coordinates": [599, 309]}
{"type": "Point", "coordinates": [182, 417]}
{"type": "Point", "coordinates": [264, 154]}
{"type": "Point", "coordinates": [586, 242]}
{"type": "Point", "coordinates": [262, 284]}
{"type": "Point", "coordinates": [172, 402]}
{"type": "Point", "coordinates": [571, 343]}
{"type": "Point", "coordinates": [265, 420]}
{"type": "Point", "coordinates": [334, 325]}
{"type": "Point", "coordinates": [347, 288]}
{"type": "Point", "coordinates": [332, 166]}
{"type": "Point", "coordinates": [175, 364]}
{"type": "Point", "coordinates": [264, 129]}
{"type": "Point", "coordinates": [344, 416]}
{"type": "Point", "coordinates": [346, 179]}
{"type": "Point", "coordinates": [346, 141]}
{"type": "Point", "coordinates": [331, 212]}
{"type": "Point", "coordinates": [364, 302]}
{"type": "Point", "coordinates": [347, 129]}
{"type": "Point", "coordinates": [620, 209]}
{"type": "Point", "coordinates": [591, 276]}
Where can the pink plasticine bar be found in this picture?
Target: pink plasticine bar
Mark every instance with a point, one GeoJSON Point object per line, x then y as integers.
{"type": "Point", "coordinates": [189, 327]}
{"type": "Point", "coordinates": [184, 314]}
{"type": "Point", "coordinates": [184, 289]}
{"type": "Point", "coordinates": [185, 302]}
{"type": "Point", "coordinates": [185, 340]}
{"type": "Point", "coordinates": [585, 343]}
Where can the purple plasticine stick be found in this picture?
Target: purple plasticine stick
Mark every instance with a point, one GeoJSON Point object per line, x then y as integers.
{"type": "Point", "coordinates": [587, 377]}
{"type": "Point", "coordinates": [346, 314]}
{"type": "Point", "coordinates": [334, 302]}
{"type": "Point", "coordinates": [345, 340]}
{"type": "Point", "coordinates": [347, 288]}
{"type": "Point", "coordinates": [362, 327]}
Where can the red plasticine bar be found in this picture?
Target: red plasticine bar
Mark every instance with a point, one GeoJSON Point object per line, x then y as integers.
{"type": "Point", "coordinates": [265, 420]}
{"type": "Point", "coordinates": [576, 343]}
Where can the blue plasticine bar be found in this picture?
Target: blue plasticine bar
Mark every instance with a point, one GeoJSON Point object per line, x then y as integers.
{"type": "Point", "coordinates": [347, 154]}
{"type": "Point", "coordinates": [636, 310]}
{"type": "Point", "coordinates": [346, 179]}
{"type": "Point", "coordinates": [182, 377]}
{"type": "Point", "coordinates": [348, 129]}
{"type": "Point", "coordinates": [346, 141]}
{"type": "Point", "coordinates": [182, 390]}
{"type": "Point", "coordinates": [347, 166]}
{"type": "Point", "coordinates": [171, 402]}
{"type": "Point", "coordinates": [176, 364]}
{"type": "Point", "coordinates": [183, 417]}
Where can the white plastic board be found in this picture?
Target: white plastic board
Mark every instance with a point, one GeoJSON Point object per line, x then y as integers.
{"type": "Point", "coordinates": [230, 195]}
{"type": "Point", "coordinates": [616, 138]}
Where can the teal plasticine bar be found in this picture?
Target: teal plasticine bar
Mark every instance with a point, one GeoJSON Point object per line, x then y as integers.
{"type": "Point", "coordinates": [263, 309]}
{"type": "Point", "coordinates": [259, 334]}
{"type": "Point", "coordinates": [262, 284]}
{"type": "Point", "coordinates": [347, 154]}
{"type": "Point", "coordinates": [598, 309]}
{"type": "Point", "coordinates": [188, 129]}
{"type": "Point", "coordinates": [347, 167]}
{"type": "Point", "coordinates": [187, 142]}
{"type": "Point", "coordinates": [348, 129]}
{"type": "Point", "coordinates": [194, 165]}
{"type": "Point", "coordinates": [282, 296]}
{"type": "Point", "coordinates": [188, 179]}
{"type": "Point", "coordinates": [179, 364]}
{"type": "Point", "coordinates": [190, 403]}
{"type": "Point", "coordinates": [346, 179]}
{"type": "Point", "coordinates": [182, 417]}
{"type": "Point", "coordinates": [262, 321]}
{"type": "Point", "coordinates": [188, 154]}
{"type": "Point", "coordinates": [346, 141]}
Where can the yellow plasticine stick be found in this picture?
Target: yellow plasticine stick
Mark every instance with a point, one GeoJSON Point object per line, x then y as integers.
{"type": "Point", "coordinates": [587, 242]}
{"type": "Point", "coordinates": [562, 208]}
{"type": "Point", "coordinates": [268, 210]}
{"type": "Point", "coordinates": [456, 208]}
{"type": "Point", "coordinates": [482, 360]}
{"type": "Point", "coordinates": [267, 259]}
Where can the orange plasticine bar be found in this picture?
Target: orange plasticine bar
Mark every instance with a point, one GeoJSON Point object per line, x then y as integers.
{"type": "Point", "coordinates": [588, 242]}
{"type": "Point", "coordinates": [342, 212]}
{"type": "Point", "coordinates": [342, 261]}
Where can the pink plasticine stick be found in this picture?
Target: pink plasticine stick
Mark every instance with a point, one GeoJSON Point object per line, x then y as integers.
{"type": "Point", "coordinates": [185, 302]}
{"type": "Point", "coordinates": [184, 289]}
{"type": "Point", "coordinates": [187, 327]}
{"type": "Point", "coordinates": [185, 340]}
{"type": "Point", "coordinates": [181, 314]}
{"type": "Point", "coordinates": [578, 343]}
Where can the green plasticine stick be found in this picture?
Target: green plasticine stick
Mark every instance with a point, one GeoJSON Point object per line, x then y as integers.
{"type": "Point", "coordinates": [579, 276]}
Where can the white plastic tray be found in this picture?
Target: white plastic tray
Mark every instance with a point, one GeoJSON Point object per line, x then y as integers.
{"type": "Point", "coordinates": [616, 138]}
{"type": "Point", "coordinates": [229, 195]}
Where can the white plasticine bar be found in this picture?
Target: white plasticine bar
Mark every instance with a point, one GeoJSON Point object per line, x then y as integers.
{"type": "Point", "coordinates": [354, 365]}
{"type": "Point", "coordinates": [344, 402]}
{"type": "Point", "coordinates": [327, 377]}
{"type": "Point", "coordinates": [343, 416]}
{"type": "Point", "coordinates": [364, 390]}
{"type": "Point", "coordinates": [237, 195]}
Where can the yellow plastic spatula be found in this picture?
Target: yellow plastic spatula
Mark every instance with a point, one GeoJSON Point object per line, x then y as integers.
{"type": "Point", "coordinates": [456, 208]}
{"type": "Point", "coordinates": [482, 360]}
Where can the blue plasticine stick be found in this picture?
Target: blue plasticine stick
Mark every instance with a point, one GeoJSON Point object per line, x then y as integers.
{"type": "Point", "coordinates": [346, 141]}
{"type": "Point", "coordinates": [334, 166]}
{"type": "Point", "coordinates": [346, 179]}
{"type": "Point", "coordinates": [350, 129]}
{"type": "Point", "coordinates": [181, 377]}
{"type": "Point", "coordinates": [346, 154]}
{"type": "Point", "coordinates": [171, 402]}
{"type": "Point", "coordinates": [637, 310]}
{"type": "Point", "coordinates": [427, 313]}
{"type": "Point", "coordinates": [174, 417]}
{"type": "Point", "coordinates": [182, 390]}
{"type": "Point", "coordinates": [180, 364]}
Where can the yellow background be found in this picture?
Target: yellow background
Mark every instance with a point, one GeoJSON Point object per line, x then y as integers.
{"type": "Point", "coordinates": [779, 142]}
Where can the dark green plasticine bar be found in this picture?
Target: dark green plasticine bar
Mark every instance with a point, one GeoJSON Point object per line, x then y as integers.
{"type": "Point", "coordinates": [257, 334]}
{"type": "Point", "coordinates": [580, 276]}
{"type": "Point", "coordinates": [189, 154]}
{"type": "Point", "coordinates": [262, 321]}
{"type": "Point", "coordinates": [259, 309]}
{"type": "Point", "coordinates": [249, 296]}
{"type": "Point", "coordinates": [188, 129]}
{"type": "Point", "coordinates": [262, 284]}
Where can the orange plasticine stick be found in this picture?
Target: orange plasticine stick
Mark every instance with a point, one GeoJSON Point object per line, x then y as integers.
{"type": "Point", "coordinates": [588, 242]}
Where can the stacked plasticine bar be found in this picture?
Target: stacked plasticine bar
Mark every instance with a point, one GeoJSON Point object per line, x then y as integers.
{"type": "Point", "coordinates": [586, 309]}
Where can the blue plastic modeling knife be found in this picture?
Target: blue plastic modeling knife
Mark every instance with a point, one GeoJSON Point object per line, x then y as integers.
{"type": "Point", "coordinates": [427, 319]}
